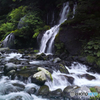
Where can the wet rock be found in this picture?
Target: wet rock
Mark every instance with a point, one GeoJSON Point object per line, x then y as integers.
{"type": "Point", "coordinates": [47, 73]}
{"type": "Point", "coordinates": [19, 85]}
{"type": "Point", "coordinates": [26, 71]}
{"type": "Point", "coordinates": [40, 57]}
{"type": "Point", "coordinates": [56, 60]}
{"type": "Point", "coordinates": [42, 76]}
{"type": "Point", "coordinates": [63, 69]}
{"type": "Point", "coordinates": [67, 63]}
{"type": "Point", "coordinates": [3, 49]}
{"type": "Point", "coordinates": [55, 93]}
{"type": "Point", "coordinates": [70, 79]}
{"type": "Point", "coordinates": [8, 67]}
{"type": "Point", "coordinates": [31, 90]}
{"type": "Point", "coordinates": [12, 72]}
{"type": "Point", "coordinates": [44, 90]}
{"type": "Point", "coordinates": [17, 98]}
{"type": "Point", "coordinates": [67, 90]}
{"type": "Point", "coordinates": [87, 76]}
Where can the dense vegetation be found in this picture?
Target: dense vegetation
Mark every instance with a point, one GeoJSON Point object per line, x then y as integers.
{"type": "Point", "coordinates": [27, 18]}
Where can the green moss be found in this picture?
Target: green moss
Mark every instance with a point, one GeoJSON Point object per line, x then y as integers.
{"type": "Point", "coordinates": [36, 51]}
{"type": "Point", "coordinates": [25, 67]}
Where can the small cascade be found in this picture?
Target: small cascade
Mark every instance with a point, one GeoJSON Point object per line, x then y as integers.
{"type": "Point", "coordinates": [49, 36]}
{"type": "Point", "coordinates": [80, 74]}
{"type": "Point", "coordinates": [22, 23]}
{"type": "Point", "coordinates": [9, 41]}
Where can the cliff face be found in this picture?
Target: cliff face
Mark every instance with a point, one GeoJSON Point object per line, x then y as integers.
{"type": "Point", "coordinates": [75, 33]}
{"type": "Point", "coordinates": [70, 39]}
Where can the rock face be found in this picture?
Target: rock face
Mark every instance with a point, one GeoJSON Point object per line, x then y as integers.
{"type": "Point", "coordinates": [70, 38]}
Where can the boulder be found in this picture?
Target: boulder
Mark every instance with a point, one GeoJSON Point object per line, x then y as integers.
{"type": "Point", "coordinates": [8, 67]}
{"type": "Point", "coordinates": [47, 73]}
{"type": "Point", "coordinates": [3, 49]}
{"type": "Point", "coordinates": [41, 76]}
{"type": "Point", "coordinates": [87, 76]}
{"type": "Point", "coordinates": [56, 60]}
{"type": "Point", "coordinates": [44, 90]}
{"type": "Point", "coordinates": [55, 94]}
{"type": "Point", "coordinates": [68, 78]}
{"type": "Point", "coordinates": [63, 69]}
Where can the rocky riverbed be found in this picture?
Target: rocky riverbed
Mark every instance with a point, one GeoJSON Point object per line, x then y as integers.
{"type": "Point", "coordinates": [25, 75]}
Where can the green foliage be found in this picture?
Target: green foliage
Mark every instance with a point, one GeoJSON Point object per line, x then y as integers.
{"type": "Point", "coordinates": [93, 89]}
{"type": "Point", "coordinates": [36, 51]}
{"type": "Point", "coordinates": [5, 29]}
{"type": "Point", "coordinates": [59, 46]}
{"type": "Point", "coordinates": [17, 13]}
{"type": "Point", "coordinates": [91, 59]}
{"type": "Point", "coordinates": [98, 62]}
{"type": "Point", "coordinates": [93, 47]}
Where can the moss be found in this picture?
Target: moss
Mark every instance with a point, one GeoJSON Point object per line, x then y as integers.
{"type": "Point", "coordinates": [25, 67]}
{"type": "Point", "coordinates": [36, 51]}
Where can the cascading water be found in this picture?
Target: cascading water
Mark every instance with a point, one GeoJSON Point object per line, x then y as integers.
{"type": "Point", "coordinates": [9, 41]}
{"type": "Point", "coordinates": [49, 36]}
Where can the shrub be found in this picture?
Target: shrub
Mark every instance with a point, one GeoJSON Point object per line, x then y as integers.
{"type": "Point", "coordinates": [91, 59]}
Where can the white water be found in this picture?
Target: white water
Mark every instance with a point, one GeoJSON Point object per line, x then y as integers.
{"type": "Point", "coordinates": [49, 36]}
{"type": "Point", "coordinates": [60, 81]}
{"type": "Point", "coordinates": [9, 40]}
{"type": "Point", "coordinates": [12, 55]}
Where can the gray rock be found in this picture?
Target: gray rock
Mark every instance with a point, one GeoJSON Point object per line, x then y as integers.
{"type": "Point", "coordinates": [56, 60]}
{"type": "Point", "coordinates": [8, 67]}
{"type": "Point", "coordinates": [3, 49]}
{"type": "Point", "coordinates": [44, 90]}
{"type": "Point", "coordinates": [63, 69]}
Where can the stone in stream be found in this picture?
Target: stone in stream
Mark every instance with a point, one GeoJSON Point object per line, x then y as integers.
{"type": "Point", "coordinates": [87, 76]}
{"type": "Point", "coordinates": [8, 67]}
{"type": "Point", "coordinates": [55, 94]}
{"type": "Point", "coordinates": [44, 91]}
{"type": "Point", "coordinates": [56, 60]}
{"type": "Point", "coordinates": [4, 49]}
{"type": "Point", "coordinates": [42, 76]}
{"type": "Point", "coordinates": [68, 78]}
{"type": "Point", "coordinates": [41, 57]}
{"type": "Point", "coordinates": [63, 69]}
{"type": "Point", "coordinates": [31, 90]}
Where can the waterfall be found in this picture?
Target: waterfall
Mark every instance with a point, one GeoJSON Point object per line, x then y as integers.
{"type": "Point", "coordinates": [9, 41]}
{"type": "Point", "coordinates": [49, 36]}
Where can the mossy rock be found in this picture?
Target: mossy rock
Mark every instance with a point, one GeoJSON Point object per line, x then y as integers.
{"type": "Point", "coordinates": [63, 69]}
{"type": "Point", "coordinates": [48, 74]}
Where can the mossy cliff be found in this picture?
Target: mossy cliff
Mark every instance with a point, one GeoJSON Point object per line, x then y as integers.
{"type": "Point", "coordinates": [81, 35]}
